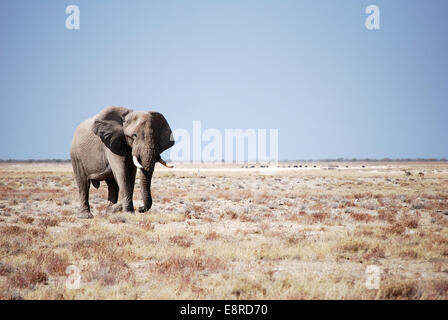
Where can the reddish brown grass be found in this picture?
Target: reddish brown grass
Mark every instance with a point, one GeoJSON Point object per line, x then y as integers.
{"type": "Point", "coordinates": [27, 219]}
{"type": "Point", "coordinates": [27, 276]}
{"type": "Point", "coordinates": [12, 230]}
{"type": "Point", "coordinates": [146, 225]}
{"type": "Point", "coordinates": [111, 272]}
{"type": "Point", "coordinates": [411, 223]}
{"type": "Point", "coordinates": [396, 228]}
{"type": "Point", "coordinates": [197, 263]}
{"type": "Point", "coordinates": [211, 236]}
{"type": "Point", "coordinates": [375, 253]}
{"type": "Point", "coordinates": [399, 289]}
{"type": "Point", "coordinates": [53, 263]}
{"type": "Point", "coordinates": [364, 217]}
{"type": "Point", "coordinates": [181, 241]}
{"type": "Point", "coordinates": [48, 222]}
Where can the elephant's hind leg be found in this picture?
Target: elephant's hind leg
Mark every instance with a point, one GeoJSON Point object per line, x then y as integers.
{"type": "Point", "coordinates": [83, 187]}
{"type": "Point", "coordinates": [113, 190]}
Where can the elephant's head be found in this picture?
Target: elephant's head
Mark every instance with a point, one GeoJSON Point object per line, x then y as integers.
{"type": "Point", "coordinates": [144, 135]}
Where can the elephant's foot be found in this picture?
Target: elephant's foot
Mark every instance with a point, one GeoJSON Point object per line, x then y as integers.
{"type": "Point", "coordinates": [119, 207]}
{"type": "Point", "coordinates": [145, 207]}
{"type": "Point", "coordinates": [84, 214]}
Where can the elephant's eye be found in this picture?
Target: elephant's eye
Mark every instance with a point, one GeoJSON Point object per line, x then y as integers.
{"type": "Point", "coordinates": [134, 135]}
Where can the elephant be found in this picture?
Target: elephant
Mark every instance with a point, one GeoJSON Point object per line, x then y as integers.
{"type": "Point", "coordinates": [110, 147]}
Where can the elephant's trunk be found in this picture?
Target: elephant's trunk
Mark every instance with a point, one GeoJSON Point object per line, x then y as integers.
{"type": "Point", "coordinates": [145, 156]}
{"type": "Point", "coordinates": [144, 153]}
{"type": "Point", "coordinates": [145, 186]}
{"type": "Point", "coordinates": [147, 159]}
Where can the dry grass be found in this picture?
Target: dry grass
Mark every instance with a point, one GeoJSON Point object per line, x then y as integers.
{"type": "Point", "coordinates": [306, 233]}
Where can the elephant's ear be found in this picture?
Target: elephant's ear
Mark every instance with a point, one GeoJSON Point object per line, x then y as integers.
{"type": "Point", "coordinates": [108, 125]}
{"type": "Point", "coordinates": [165, 136]}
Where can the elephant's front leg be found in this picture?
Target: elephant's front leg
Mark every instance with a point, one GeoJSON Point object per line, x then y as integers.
{"type": "Point", "coordinates": [125, 178]}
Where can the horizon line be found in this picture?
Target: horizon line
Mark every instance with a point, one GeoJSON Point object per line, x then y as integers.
{"type": "Point", "coordinates": [242, 162]}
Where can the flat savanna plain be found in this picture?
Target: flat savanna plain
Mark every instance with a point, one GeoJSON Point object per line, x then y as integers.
{"type": "Point", "coordinates": [226, 232]}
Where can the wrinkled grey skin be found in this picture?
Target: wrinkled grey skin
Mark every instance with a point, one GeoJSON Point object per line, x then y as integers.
{"type": "Point", "coordinates": [103, 147]}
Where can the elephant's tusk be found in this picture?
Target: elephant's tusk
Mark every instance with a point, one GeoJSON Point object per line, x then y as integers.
{"type": "Point", "coordinates": [165, 164]}
{"type": "Point", "coordinates": [136, 163]}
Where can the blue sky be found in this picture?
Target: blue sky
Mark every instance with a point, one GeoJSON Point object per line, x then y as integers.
{"type": "Point", "coordinates": [308, 68]}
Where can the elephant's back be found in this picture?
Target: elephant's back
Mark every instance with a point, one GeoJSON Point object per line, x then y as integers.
{"type": "Point", "coordinates": [84, 140]}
